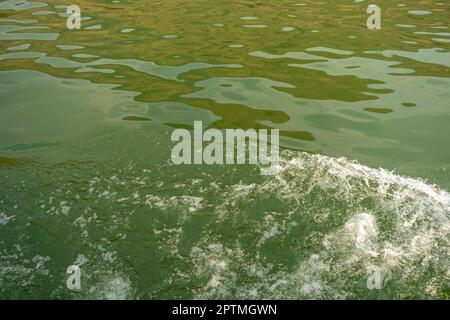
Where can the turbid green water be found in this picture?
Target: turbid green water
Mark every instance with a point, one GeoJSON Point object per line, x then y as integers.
{"type": "Point", "coordinates": [85, 123]}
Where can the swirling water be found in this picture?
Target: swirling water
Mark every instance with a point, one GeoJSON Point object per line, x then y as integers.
{"type": "Point", "coordinates": [86, 117]}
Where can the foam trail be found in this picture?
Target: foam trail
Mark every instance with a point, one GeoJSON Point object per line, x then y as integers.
{"type": "Point", "coordinates": [378, 220]}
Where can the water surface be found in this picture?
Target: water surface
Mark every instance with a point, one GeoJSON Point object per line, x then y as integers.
{"type": "Point", "coordinates": [85, 124]}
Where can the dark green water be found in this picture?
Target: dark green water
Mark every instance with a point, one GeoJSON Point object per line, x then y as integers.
{"type": "Point", "coordinates": [85, 123]}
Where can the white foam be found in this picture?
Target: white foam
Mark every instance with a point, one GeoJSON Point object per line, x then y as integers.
{"type": "Point", "coordinates": [396, 224]}
{"type": "Point", "coordinates": [4, 219]}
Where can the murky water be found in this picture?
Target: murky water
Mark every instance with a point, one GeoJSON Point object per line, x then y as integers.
{"type": "Point", "coordinates": [86, 118]}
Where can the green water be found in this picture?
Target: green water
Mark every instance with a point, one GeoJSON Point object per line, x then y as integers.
{"type": "Point", "coordinates": [85, 123]}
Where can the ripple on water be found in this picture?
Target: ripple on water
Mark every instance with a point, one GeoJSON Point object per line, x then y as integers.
{"type": "Point", "coordinates": [127, 30]}
{"type": "Point", "coordinates": [169, 36]}
{"type": "Point", "coordinates": [419, 12]}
